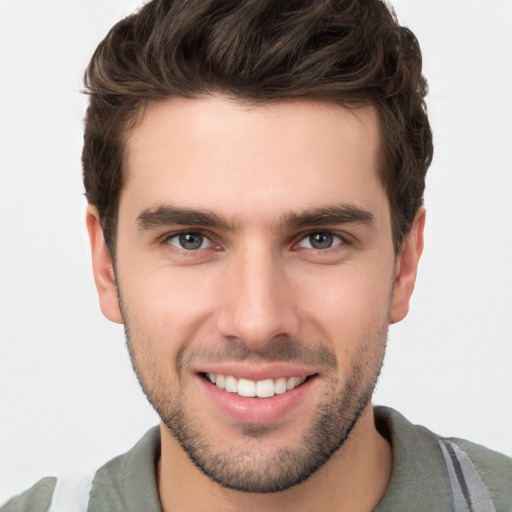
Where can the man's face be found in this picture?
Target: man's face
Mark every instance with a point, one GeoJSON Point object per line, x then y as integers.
{"type": "Point", "coordinates": [255, 257]}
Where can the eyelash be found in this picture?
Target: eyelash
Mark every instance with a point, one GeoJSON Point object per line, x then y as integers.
{"type": "Point", "coordinates": [165, 240]}
{"type": "Point", "coordinates": [342, 239]}
{"type": "Point", "coordinates": [335, 237]}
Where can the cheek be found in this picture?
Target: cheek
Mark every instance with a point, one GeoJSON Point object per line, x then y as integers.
{"type": "Point", "coordinates": [167, 306]}
{"type": "Point", "coordinates": [348, 303]}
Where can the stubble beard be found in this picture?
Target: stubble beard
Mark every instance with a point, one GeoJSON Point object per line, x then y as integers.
{"type": "Point", "coordinates": [251, 469]}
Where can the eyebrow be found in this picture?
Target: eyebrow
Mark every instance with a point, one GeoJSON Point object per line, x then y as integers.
{"type": "Point", "coordinates": [328, 215]}
{"type": "Point", "coordinates": [166, 215]}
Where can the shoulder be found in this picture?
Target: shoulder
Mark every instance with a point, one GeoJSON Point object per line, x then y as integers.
{"type": "Point", "coordinates": [127, 483]}
{"type": "Point", "coordinates": [494, 468]}
{"type": "Point", "coordinates": [424, 474]}
{"type": "Point", "coordinates": [36, 499]}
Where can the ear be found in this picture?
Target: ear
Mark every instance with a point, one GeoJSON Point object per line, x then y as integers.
{"type": "Point", "coordinates": [102, 268]}
{"type": "Point", "coordinates": [406, 267]}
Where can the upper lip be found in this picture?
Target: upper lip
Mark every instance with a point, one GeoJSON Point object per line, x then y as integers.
{"type": "Point", "coordinates": [256, 372]}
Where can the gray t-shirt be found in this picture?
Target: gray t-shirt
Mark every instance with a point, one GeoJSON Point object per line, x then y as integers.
{"type": "Point", "coordinates": [419, 480]}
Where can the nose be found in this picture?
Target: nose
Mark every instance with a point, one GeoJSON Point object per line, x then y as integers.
{"type": "Point", "coordinates": [257, 301]}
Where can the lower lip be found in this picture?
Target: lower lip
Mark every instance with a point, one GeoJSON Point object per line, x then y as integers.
{"type": "Point", "coordinates": [256, 410]}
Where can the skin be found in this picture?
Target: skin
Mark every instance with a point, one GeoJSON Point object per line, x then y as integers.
{"type": "Point", "coordinates": [255, 288]}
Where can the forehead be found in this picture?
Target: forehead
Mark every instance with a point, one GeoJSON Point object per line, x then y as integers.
{"type": "Point", "coordinates": [241, 160]}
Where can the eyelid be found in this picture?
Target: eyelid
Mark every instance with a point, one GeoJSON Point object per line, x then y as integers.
{"type": "Point", "coordinates": [342, 237]}
{"type": "Point", "coordinates": [164, 239]}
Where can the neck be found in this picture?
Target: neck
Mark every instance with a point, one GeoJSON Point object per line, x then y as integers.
{"type": "Point", "coordinates": [354, 479]}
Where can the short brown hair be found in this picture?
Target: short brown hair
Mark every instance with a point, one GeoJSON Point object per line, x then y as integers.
{"type": "Point", "coordinates": [351, 52]}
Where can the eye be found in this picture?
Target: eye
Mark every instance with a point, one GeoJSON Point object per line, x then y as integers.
{"type": "Point", "coordinates": [189, 241]}
{"type": "Point", "coordinates": [321, 240]}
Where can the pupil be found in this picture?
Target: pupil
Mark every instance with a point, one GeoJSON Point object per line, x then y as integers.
{"type": "Point", "coordinates": [321, 240]}
{"type": "Point", "coordinates": [191, 241]}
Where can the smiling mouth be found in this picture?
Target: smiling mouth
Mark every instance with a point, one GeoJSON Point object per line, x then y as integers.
{"type": "Point", "coordinates": [255, 389]}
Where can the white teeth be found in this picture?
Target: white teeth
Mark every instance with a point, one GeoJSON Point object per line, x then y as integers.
{"type": "Point", "coordinates": [231, 384]}
{"type": "Point", "coordinates": [280, 386]}
{"type": "Point", "coordinates": [250, 388]}
{"type": "Point", "coordinates": [291, 383]}
{"type": "Point", "coordinates": [246, 388]}
{"type": "Point", "coordinates": [265, 388]}
{"type": "Point", "coordinates": [220, 381]}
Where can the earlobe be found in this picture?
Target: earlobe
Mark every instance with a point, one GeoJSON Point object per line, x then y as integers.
{"type": "Point", "coordinates": [406, 268]}
{"type": "Point", "coordinates": [102, 268]}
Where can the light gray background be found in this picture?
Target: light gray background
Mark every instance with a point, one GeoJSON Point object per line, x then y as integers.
{"type": "Point", "coordinates": [68, 399]}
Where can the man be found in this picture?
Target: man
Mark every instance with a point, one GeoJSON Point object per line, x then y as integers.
{"type": "Point", "coordinates": [255, 173]}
